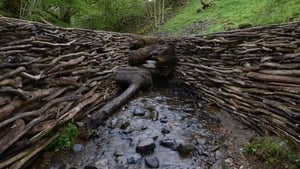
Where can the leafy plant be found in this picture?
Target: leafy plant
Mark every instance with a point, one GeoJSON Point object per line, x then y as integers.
{"type": "Point", "coordinates": [273, 151]}
{"type": "Point", "coordinates": [65, 140]}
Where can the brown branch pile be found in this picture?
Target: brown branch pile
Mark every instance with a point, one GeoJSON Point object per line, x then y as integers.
{"type": "Point", "coordinates": [51, 75]}
{"type": "Point", "coordinates": [252, 73]}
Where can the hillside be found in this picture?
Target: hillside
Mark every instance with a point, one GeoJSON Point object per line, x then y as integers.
{"type": "Point", "coordinates": [226, 15]}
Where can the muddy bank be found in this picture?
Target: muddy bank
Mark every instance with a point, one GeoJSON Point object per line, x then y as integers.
{"type": "Point", "coordinates": [160, 128]}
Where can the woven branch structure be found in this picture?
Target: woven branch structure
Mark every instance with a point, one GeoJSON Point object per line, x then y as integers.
{"type": "Point", "coordinates": [51, 75]}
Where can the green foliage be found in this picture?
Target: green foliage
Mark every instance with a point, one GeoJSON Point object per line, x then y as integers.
{"type": "Point", "coordinates": [114, 15]}
{"type": "Point", "coordinates": [65, 140]}
{"type": "Point", "coordinates": [224, 14]}
{"type": "Point", "coordinates": [119, 15]}
{"type": "Point", "coordinates": [273, 151]}
{"type": "Point", "coordinates": [250, 148]}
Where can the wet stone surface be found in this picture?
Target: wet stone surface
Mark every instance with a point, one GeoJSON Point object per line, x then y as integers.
{"type": "Point", "coordinates": [162, 128]}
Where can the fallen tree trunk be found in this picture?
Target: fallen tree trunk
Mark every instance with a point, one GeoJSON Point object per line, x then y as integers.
{"type": "Point", "coordinates": [51, 75]}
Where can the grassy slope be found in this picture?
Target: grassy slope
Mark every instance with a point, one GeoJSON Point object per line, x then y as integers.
{"type": "Point", "coordinates": [226, 14]}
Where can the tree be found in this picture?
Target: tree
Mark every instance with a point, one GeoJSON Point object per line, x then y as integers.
{"type": "Point", "coordinates": [159, 12]}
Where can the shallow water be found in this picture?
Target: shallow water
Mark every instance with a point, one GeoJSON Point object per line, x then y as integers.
{"type": "Point", "coordinates": [159, 128]}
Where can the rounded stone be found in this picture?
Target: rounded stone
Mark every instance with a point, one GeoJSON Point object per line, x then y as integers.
{"type": "Point", "coordinates": [90, 167]}
{"type": "Point", "coordinates": [218, 155]}
{"type": "Point", "coordinates": [201, 141]}
{"type": "Point", "coordinates": [112, 123]}
{"type": "Point", "coordinates": [152, 162]}
{"type": "Point", "coordinates": [164, 120]}
{"type": "Point", "coordinates": [124, 125]}
{"type": "Point", "coordinates": [77, 148]}
{"type": "Point", "coordinates": [169, 143]}
{"type": "Point", "coordinates": [134, 159]}
{"type": "Point", "coordinates": [185, 150]}
{"type": "Point", "coordinates": [146, 146]}
{"type": "Point", "coordinates": [139, 112]}
{"type": "Point", "coordinates": [165, 131]}
{"type": "Point", "coordinates": [103, 163]}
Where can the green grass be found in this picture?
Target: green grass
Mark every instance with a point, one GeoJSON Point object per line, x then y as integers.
{"type": "Point", "coordinates": [228, 14]}
{"type": "Point", "coordinates": [273, 151]}
{"type": "Point", "coordinates": [65, 140]}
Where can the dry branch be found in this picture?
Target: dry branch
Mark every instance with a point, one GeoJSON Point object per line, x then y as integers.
{"type": "Point", "coordinates": [252, 73]}
{"type": "Point", "coordinates": [50, 75]}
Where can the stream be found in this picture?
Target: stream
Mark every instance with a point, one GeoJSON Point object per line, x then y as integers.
{"type": "Point", "coordinates": [167, 128]}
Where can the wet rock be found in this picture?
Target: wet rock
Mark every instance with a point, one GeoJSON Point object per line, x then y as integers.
{"type": "Point", "coordinates": [119, 167]}
{"type": "Point", "coordinates": [122, 161]}
{"type": "Point", "coordinates": [139, 112]}
{"type": "Point", "coordinates": [186, 150]}
{"type": "Point", "coordinates": [118, 153]}
{"type": "Point", "coordinates": [103, 164]}
{"type": "Point", "coordinates": [146, 146]}
{"type": "Point", "coordinates": [128, 130]}
{"type": "Point", "coordinates": [219, 164]}
{"type": "Point", "coordinates": [165, 131]}
{"type": "Point", "coordinates": [79, 124]}
{"type": "Point", "coordinates": [155, 138]}
{"type": "Point", "coordinates": [218, 155]}
{"type": "Point", "coordinates": [117, 147]}
{"type": "Point", "coordinates": [188, 108]}
{"type": "Point", "coordinates": [112, 123]}
{"type": "Point", "coordinates": [202, 152]}
{"type": "Point", "coordinates": [152, 162]}
{"type": "Point", "coordinates": [164, 119]}
{"type": "Point", "coordinates": [114, 131]}
{"type": "Point", "coordinates": [159, 98]}
{"type": "Point", "coordinates": [77, 148]}
{"type": "Point", "coordinates": [124, 125]}
{"type": "Point", "coordinates": [201, 141]}
{"type": "Point", "coordinates": [229, 163]}
{"type": "Point", "coordinates": [90, 167]}
{"type": "Point", "coordinates": [169, 143]}
{"type": "Point", "coordinates": [134, 159]}
{"type": "Point", "coordinates": [144, 127]}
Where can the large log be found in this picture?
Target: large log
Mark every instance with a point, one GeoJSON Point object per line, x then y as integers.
{"type": "Point", "coordinates": [50, 75]}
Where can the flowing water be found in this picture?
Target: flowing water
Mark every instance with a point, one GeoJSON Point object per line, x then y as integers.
{"type": "Point", "coordinates": [159, 128]}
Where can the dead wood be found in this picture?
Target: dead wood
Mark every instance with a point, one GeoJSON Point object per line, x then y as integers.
{"type": "Point", "coordinates": [252, 73]}
{"type": "Point", "coordinates": [137, 78]}
{"type": "Point", "coordinates": [51, 75]}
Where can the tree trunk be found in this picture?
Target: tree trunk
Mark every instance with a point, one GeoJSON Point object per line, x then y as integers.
{"type": "Point", "coordinates": [31, 7]}
{"type": "Point", "coordinates": [155, 13]}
